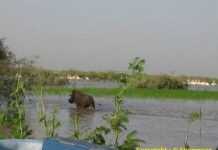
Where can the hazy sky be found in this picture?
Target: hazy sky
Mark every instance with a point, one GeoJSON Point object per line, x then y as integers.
{"type": "Point", "coordinates": [174, 36]}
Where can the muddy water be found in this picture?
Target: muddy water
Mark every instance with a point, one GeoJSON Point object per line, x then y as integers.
{"type": "Point", "coordinates": [157, 122]}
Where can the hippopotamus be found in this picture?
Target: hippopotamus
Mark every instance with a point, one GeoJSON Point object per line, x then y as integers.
{"type": "Point", "coordinates": [82, 100]}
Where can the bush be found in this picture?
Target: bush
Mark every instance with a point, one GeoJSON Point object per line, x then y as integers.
{"type": "Point", "coordinates": [167, 82]}
{"type": "Point", "coordinates": [162, 82]}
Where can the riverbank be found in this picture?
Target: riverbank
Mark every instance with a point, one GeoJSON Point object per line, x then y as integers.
{"type": "Point", "coordinates": [139, 93]}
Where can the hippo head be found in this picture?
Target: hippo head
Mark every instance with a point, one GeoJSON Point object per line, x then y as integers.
{"type": "Point", "coordinates": [72, 97]}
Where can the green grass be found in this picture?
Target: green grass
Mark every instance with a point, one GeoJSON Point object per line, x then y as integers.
{"type": "Point", "coordinates": [139, 93]}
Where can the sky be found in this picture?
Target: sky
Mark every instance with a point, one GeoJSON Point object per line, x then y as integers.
{"type": "Point", "coordinates": [173, 36]}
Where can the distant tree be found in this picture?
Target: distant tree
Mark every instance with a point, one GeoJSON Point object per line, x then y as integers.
{"type": "Point", "coordinates": [3, 53]}
{"type": "Point", "coordinates": [6, 56]}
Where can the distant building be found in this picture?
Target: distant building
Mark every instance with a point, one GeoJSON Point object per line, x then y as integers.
{"type": "Point", "coordinates": [198, 83]}
{"type": "Point", "coordinates": [74, 77]}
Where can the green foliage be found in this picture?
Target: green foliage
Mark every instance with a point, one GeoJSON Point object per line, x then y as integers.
{"type": "Point", "coordinates": [20, 130]}
{"type": "Point", "coordinates": [13, 117]}
{"type": "Point", "coordinates": [117, 121]}
{"type": "Point", "coordinates": [131, 142]}
{"type": "Point", "coordinates": [162, 82]}
{"type": "Point", "coordinates": [76, 124]}
{"type": "Point", "coordinates": [2, 117]}
{"type": "Point", "coordinates": [47, 120]}
{"type": "Point", "coordinates": [13, 90]}
{"type": "Point", "coordinates": [50, 123]}
{"type": "Point", "coordinates": [97, 136]}
{"type": "Point", "coordinates": [137, 65]}
{"type": "Point", "coordinates": [6, 56]}
{"type": "Point", "coordinates": [140, 93]}
{"type": "Point", "coordinates": [123, 78]}
{"type": "Point", "coordinates": [166, 82]}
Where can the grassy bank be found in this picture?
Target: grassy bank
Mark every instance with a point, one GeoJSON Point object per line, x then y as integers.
{"type": "Point", "coordinates": [139, 93]}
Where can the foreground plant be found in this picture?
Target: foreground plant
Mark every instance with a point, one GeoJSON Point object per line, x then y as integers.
{"type": "Point", "coordinates": [97, 136]}
{"type": "Point", "coordinates": [76, 124]}
{"type": "Point", "coordinates": [49, 122]}
{"type": "Point", "coordinates": [118, 119]}
{"type": "Point", "coordinates": [16, 110]}
{"type": "Point", "coordinates": [131, 142]}
{"type": "Point", "coordinates": [194, 116]}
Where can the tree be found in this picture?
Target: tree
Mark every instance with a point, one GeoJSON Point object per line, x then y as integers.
{"type": "Point", "coordinates": [3, 54]}
{"type": "Point", "coordinates": [6, 83]}
{"type": "Point", "coordinates": [6, 56]}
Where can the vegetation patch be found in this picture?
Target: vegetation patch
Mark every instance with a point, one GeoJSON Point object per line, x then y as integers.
{"type": "Point", "coordinates": [140, 93]}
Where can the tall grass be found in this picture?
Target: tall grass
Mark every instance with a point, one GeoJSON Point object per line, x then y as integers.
{"type": "Point", "coordinates": [13, 118]}
{"type": "Point", "coordinates": [48, 120]}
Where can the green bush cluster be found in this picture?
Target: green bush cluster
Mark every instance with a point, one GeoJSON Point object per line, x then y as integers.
{"type": "Point", "coordinates": [58, 78]}
{"type": "Point", "coordinates": [162, 82]}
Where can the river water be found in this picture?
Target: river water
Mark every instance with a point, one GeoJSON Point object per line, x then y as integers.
{"type": "Point", "coordinates": [158, 122]}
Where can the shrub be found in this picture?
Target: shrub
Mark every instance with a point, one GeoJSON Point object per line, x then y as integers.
{"type": "Point", "coordinates": [162, 82]}
{"type": "Point", "coordinates": [167, 82]}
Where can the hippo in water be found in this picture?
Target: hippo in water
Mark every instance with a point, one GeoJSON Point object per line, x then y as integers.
{"type": "Point", "coordinates": [81, 100]}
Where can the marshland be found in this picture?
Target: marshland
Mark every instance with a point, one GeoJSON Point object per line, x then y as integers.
{"type": "Point", "coordinates": [122, 75]}
{"type": "Point", "coordinates": [148, 110]}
